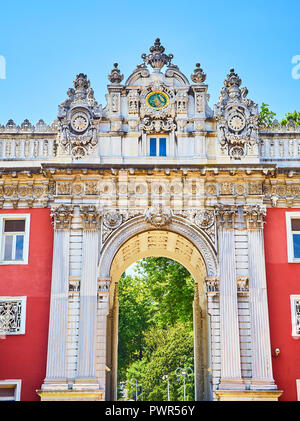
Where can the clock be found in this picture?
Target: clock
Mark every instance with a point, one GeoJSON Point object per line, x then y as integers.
{"type": "Point", "coordinates": [157, 100]}
{"type": "Point", "coordinates": [236, 122]}
{"type": "Point", "coordinates": [79, 122]}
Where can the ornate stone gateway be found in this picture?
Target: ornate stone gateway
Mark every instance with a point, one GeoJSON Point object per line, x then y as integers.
{"type": "Point", "coordinates": [156, 172]}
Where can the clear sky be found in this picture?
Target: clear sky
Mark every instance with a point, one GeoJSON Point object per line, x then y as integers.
{"type": "Point", "coordinates": [46, 43]}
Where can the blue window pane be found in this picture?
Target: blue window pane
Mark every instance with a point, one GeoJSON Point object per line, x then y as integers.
{"type": "Point", "coordinates": [8, 247]}
{"type": "Point", "coordinates": [162, 146]}
{"type": "Point", "coordinates": [296, 241]}
{"type": "Point", "coordinates": [19, 247]}
{"type": "Point", "coordinates": [152, 146]}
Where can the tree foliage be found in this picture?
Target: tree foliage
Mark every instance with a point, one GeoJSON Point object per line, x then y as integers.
{"type": "Point", "coordinates": [265, 117]}
{"type": "Point", "coordinates": [295, 116]}
{"type": "Point", "coordinates": [156, 328]}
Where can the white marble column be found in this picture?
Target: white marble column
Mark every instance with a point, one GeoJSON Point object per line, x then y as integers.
{"type": "Point", "coordinates": [103, 310]}
{"type": "Point", "coordinates": [262, 376]}
{"type": "Point", "coordinates": [231, 377]}
{"type": "Point", "coordinates": [56, 372]}
{"type": "Point", "coordinates": [86, 362]}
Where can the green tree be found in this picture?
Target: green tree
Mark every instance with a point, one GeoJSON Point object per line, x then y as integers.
{"type": "Point", "coordinates": [166, 350]}
{"type": "Point", "coordinates": [295, 116]}
{"type": "Point", "coordinates": [134, 319]}
{"type": "Point", "coordinates": [171, 288]}
{"type": "Point", "coordinates": [265, 117]}
{"type": "Point", "coordinates": [156, 328]}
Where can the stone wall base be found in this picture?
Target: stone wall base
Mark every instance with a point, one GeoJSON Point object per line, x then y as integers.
{"type": "Point", "coordinates": [247, 395]}
{"type": "Point", "coordinates": [71, 395]}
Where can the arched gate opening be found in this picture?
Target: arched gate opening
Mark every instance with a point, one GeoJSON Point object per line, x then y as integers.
{"type": "Point", "coordinates": [184, 244]}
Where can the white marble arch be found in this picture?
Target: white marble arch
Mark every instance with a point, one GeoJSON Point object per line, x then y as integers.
{"type": "Point", "coordinates": [138, 225]}
{"type": "Point", "coordinates": [181, 242]}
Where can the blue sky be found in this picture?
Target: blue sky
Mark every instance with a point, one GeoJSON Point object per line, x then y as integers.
{"type": "Point", "coordinates": [45, 44]}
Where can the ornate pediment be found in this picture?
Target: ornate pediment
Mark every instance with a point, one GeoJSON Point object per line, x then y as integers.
{"type": "Point", "coordinates": [237, 118]}
{"type": "Point", "coordinates": [78, 116]}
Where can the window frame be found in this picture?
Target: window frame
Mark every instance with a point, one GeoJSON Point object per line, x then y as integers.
{"type": "Point", "coordinates": [23, 300]}
{"type": "Point", "coordinates": [16, 383]}
{"type": "Point", "coordinates": [157, 137]}
{"type": "Point", "coordinates": [289, 234]}
{"type": "Point", "coordinates": [15, 216]}
{"type": "Point", "coordinates": [293, 298]}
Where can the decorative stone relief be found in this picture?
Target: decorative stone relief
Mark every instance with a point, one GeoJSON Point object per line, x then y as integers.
{"type": "Point", "coordinates": [158, 216]}
{"type": "Point", "coordinates": [237, 118]}
{"type": "Point", "coordinates": [225, 215]}
{"type": "Point", "coordinates": [112, 219]}
{"type": "Point", "coordinates": [61, 216]}
{"type": "Point", "coordinates": [90, 217]}
{"type": "Point", "coordinates": [156, 126]}
{"type": "Point", "coordinates": [254, 215]}
{"type": "Point", "coordinates": [203, 219]}
{"type": "Point", "coordinates": [78, 117]}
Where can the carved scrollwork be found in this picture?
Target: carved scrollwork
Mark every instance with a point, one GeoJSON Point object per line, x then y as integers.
{"type": "Point", "coordinates": [225, 215]}
{"type": "Point", "coordinates": [62, 216]}
{"type": "Point", "coordinates": [255, 215]}
{"type": "Point", "coordinates": [157, 125]}
{"type": "Point", "coordinates": [158, 216]}
{"type": "Point", "coordinates": [112, 219]}
{"type": "Point", "coordinates": [90, 217]}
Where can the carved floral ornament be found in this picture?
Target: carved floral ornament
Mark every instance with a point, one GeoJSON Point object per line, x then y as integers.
{"type": "Point", "coordinates": [61, 216]}
{"type": "Point", "coordinates": [158, 216]}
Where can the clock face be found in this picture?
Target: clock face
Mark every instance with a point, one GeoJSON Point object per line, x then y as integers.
{"type": "Point", "coordinates": [157, 100]}
{"type": "Point", "coordinates": [236, 122]}
{"type": "Point", "coordinates": [79, 122]}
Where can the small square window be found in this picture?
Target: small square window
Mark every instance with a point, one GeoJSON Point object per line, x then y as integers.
{"type": "Point", "coordinates": [293, 236]}
{"type": "Point", "coordinates": [10, 390]}
{"type": "Point", "coordinates": [14, 239]}
{"type": "Point", "coordinates": [157, 146]}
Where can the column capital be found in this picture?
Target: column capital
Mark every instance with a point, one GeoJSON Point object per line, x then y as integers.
{"type": "Point", "coordinates": [61, 216]}
{"type": "Point", "coordinates": [254, 215]}
{"type": "Point", "coordinates": [90, 216]}
{"type": "Point", "coordinates": [225, 215]}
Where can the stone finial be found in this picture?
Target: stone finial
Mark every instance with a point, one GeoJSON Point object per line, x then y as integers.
{"type": "Point", "coordinates": [157, 58]}
{"type": "Point", "coordinates": [198, 76]}
{"type": "Point", "coordinates": [232, 79]}
{"type": "Point", "coordinates": [81, 83]}
{"type": "Point", "coordinates": [115, 75]}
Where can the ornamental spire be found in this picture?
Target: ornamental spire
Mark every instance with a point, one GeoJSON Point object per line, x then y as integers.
{"type": "Point", "coordinates": [157, 58]}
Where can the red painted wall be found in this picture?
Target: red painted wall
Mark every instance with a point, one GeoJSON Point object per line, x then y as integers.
{"type": "Point", "coordinates": [24, 356]}
{"type": "Point", "coordinates": [283, 280]}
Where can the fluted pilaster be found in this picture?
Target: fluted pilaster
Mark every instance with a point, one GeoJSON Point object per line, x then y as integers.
{"type": "Point", "coordinates": [230, 342]}
{"type": "Point", "coordinates": [56, 357]}
{"type": "Point", "coordinates": [86, 363]}
{"type": "Point", "coordinates": [262, 376]}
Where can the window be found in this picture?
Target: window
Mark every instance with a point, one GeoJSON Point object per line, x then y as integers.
{"type": "Point", "coordinates": [14, 239]}
{"type": "Point", "coordinates": [157, 146]}
{"type": "Point", "coordinates": [295, 311]}
{"type": "Point", "coordinates": [10, 390]}
{"type": "Point", "coordinates": [293, 236]}
{"type": "Point", "coordinates": [12, 315]}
